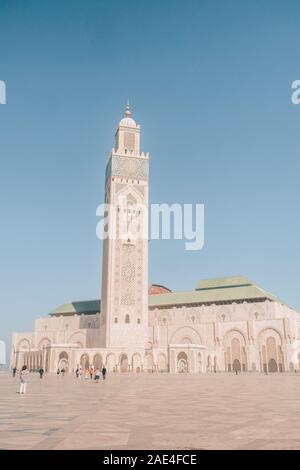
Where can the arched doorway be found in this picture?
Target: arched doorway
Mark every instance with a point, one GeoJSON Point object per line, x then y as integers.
{"type": "Point", "coordinates": [271, 352]}
{"type": "Point", "coordinates": [63, 361]}
{"type": "Point", "coordinates": [272, 366]}
{"type": "Point", "coordinates": [85, 362]}
{"type": "Point", "coordinates": [182, 362]}
{"type": "Point", "coordinates": [235, 351]}
{"type": "Point", "coordinates": [136, 363]}
{"type": "Point", "coordinates": [236, 365]}
{"type": "Point", "coordinates": [124, 363]}
{"type": "Point", "coordinates": [97, 361]}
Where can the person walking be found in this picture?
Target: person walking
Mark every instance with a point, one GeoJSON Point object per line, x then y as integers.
{"type": "Point", "coordinates": [23, 379]}
{"type": "Point", "coordinates": [14, 371]}
{"type": "Point", "coordinates": [77, 373]}
{"type": "Point", "coordinates": [97, 375]}
{"type": "Point", "coordinates": [104, 372]}
{"type": "Point", "coordinates": [41, 372]}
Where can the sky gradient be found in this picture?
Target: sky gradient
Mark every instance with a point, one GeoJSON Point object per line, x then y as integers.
{"type": "Point", "coordinates": [210, 84]}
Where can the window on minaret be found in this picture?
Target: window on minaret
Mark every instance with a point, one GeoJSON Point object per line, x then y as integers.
{"type": "Point", "coordinates": [129, 140]}
{"type": "Point", "coordinates": [127, 319]}
{"type": "Point", "coordinates": [139, 320]}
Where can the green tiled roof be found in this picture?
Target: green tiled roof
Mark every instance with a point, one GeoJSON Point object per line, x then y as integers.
{"type": "Point", "coordinates": [222, 282]}
{"type": "Point", "coordinates": [228, 289]}
{"type": "Point", "coordinates": [88, 307]}
{"type": "Point", "coordinates": [211, 295]}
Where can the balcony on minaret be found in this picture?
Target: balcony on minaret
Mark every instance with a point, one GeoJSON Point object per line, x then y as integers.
{"type": "Point", "coordinates": [127, 138]}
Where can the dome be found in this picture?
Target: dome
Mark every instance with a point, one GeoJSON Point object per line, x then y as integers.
{"type": "Point", "coordinates": [127, 120]}
{"type": "Point", "coordinates": [158, 289]}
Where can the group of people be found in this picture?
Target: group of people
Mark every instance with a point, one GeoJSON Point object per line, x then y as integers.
{"type": "Point", "coordinates": [91, 373]}
{"type": "Point", "coordinates": [40, 370]}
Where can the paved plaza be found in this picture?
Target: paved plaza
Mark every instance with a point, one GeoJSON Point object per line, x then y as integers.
{"type": "Point", "coordinates": [152, 411]}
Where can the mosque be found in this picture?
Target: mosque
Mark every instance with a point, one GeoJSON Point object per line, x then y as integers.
{"type": "Point", "coordinates": [223, 325]}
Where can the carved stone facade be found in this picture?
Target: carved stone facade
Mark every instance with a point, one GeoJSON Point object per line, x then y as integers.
{"type": "Point", "coordinates": [195, 339]}
{"type": "Point", "coordinates": [224, 325]}
{"type": "Point", "coordinates": [125, 258]}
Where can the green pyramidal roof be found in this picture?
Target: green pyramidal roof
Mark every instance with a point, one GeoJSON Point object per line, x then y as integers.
{"type": "Point", "coordinates": [223, 282]}
{"type": "Point", "coordinates": [221, 290]}
{"type": "Point", "coordinates": [208, 291]}
{"type": "Point", "coordinates": [88, 307]}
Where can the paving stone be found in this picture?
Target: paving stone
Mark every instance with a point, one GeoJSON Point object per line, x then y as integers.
{"type": "Point", "coordinates": [149, 411]}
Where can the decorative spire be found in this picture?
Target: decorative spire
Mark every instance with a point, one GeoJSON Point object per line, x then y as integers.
{"type": "Point", "coordinates": [127, 110]}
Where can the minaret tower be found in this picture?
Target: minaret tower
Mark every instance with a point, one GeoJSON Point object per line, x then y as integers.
{"type": "Point", "coordinates": [124, 299]}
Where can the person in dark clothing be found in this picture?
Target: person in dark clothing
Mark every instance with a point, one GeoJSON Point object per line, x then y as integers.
{"type": "Point", "coordinates": [14, 371]}
{"type": "Point", "coordinates": [104, 373]}
{"type": "Point", "coordinates": [41, 372]}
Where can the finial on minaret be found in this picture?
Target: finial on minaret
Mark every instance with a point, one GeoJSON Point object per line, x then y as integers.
{"type": "Point", "coordinates": [127, 110]}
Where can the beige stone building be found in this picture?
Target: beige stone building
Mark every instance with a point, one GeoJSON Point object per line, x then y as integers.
{"type": "Point", "coordinates": [225, 324]}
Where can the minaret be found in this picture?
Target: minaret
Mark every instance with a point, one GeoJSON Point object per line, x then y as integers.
{"type": "Point", "coordinates": [124, 299]}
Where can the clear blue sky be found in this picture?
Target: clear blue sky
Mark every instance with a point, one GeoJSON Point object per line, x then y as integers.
{"type": "Point", "coordinates": [209, 81]}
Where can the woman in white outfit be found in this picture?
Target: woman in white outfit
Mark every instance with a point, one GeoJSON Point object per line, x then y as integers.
{"type": "Point", "coordinates": [24, 379]}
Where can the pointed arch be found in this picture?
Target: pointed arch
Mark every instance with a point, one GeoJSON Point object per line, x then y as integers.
{"type": "Point", "coordinates": [271, 351]}
{"type": "Point", "coordinates": [97, 361]}
{"type": "Point", "coordinates": [186, 332]}
{"type": "Point", "coordinates": [123, 363]}
{"type": "Point", "coordinates": [234, 346]}
{"type": "Point", "coordinates": [136, 362]}
{"type": "Point", "coordinates": [24, 344]}
{"type": "Point", "coordinates": [43, 343]}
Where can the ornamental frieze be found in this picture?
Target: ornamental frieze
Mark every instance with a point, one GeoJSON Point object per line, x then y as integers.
{"type": "Point", "coordinates": [127, 167]}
